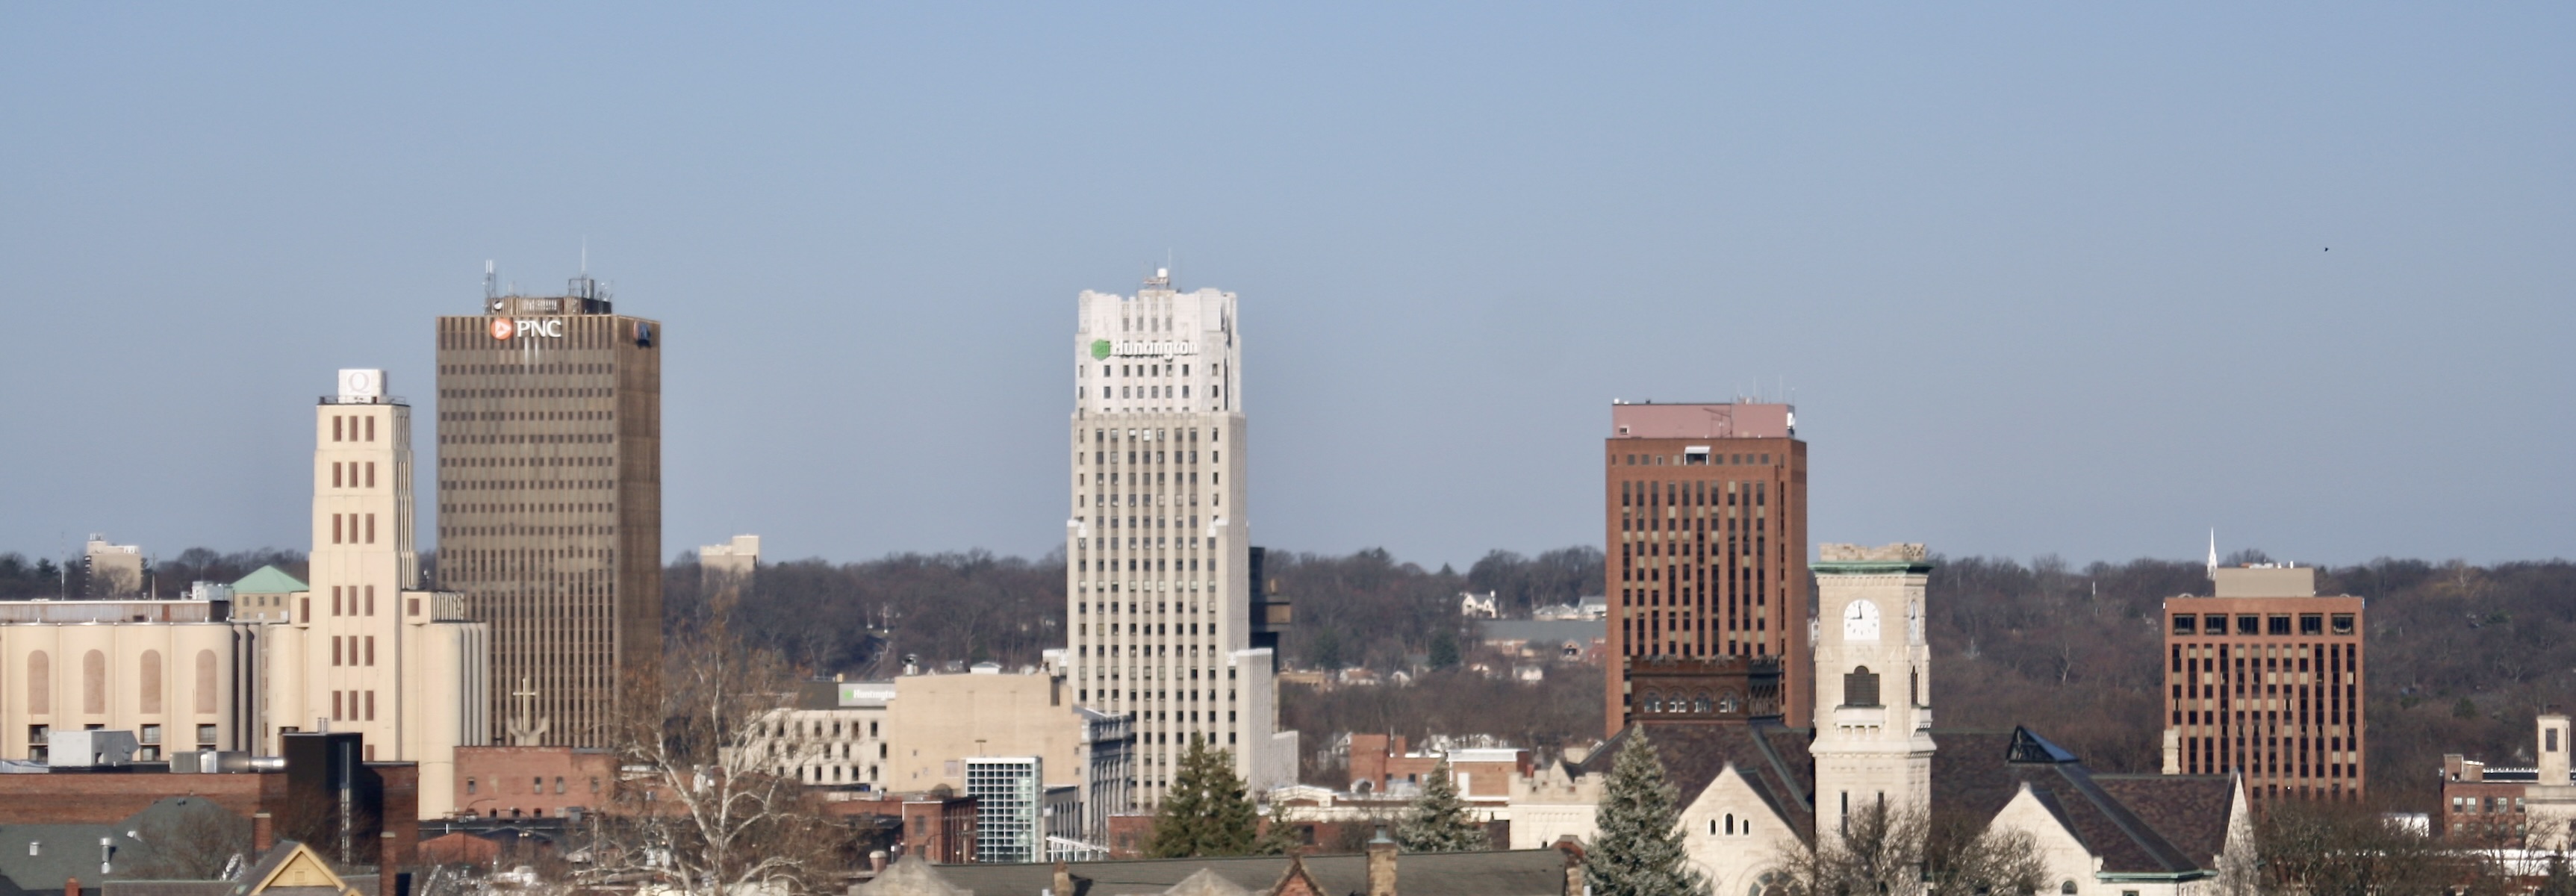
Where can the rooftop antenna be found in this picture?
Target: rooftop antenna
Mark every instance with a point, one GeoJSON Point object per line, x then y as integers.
{"type": "Point", "coordinates": [490, 286]}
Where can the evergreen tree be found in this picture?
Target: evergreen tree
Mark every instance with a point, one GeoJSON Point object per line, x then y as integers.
{"type": "Point", "coordinates": [1638, 851]}
{"type": "Point", "coordinates": [1444, 651]}
{"type": "Point", "coordinates": [1438, 820]}
{"type": "Point", "coordinates": [1206, 813]}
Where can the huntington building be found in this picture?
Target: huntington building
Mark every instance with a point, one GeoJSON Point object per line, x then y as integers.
{"type": "Point", "coordinates": [1161, 589]}
{"type": "Point", "coordinates": [550, 503]}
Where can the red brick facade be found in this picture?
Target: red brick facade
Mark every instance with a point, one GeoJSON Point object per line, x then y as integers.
{"type": "Point", "coordinates": [533, 782]}
{"type": "Point", "coordinates": [1705, 519]}
{"type": "Point", "coordinates": [2271, 687]}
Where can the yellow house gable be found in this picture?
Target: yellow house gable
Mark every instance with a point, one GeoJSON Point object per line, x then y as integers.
{"type": "Point", "coordinates": [300, 869]}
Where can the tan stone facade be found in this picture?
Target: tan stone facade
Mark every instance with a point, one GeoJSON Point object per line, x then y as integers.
{"type": "Point", "coordinates": [358, 649]}
{"type": "Point", "coordinates": [1873, 682]}
{"type": "Point", "coordinates": [174, 684]}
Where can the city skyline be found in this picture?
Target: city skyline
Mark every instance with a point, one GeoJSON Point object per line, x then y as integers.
{"type": "Point", "coordinates": [2087, 284]}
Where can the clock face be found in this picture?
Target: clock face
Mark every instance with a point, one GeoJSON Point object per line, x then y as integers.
{"type": "Point", "coordinates": [1860, 621]}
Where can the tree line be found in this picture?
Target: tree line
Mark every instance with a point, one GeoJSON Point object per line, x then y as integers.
{"type": "Point", "coordinates": [2460, 656]}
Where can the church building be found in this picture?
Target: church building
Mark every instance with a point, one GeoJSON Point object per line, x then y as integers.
{"type": "Point", "coordinates": [1754, 791]}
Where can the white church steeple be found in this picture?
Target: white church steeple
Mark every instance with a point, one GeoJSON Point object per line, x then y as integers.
{"type": "Point", "coordinates": [1873, 683]}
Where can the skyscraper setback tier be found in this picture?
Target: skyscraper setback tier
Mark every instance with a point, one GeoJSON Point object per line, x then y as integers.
{"type": "Point", "coordinates": [1159, 584]}
{"type": "Point", "coordinates": [550, 503]}
{"type": "Point", "coordinates": [1706, 522]}
{"type": "Point", "coordinates": [2266, 678]}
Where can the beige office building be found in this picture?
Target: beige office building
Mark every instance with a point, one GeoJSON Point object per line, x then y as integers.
{"type": "Point", "coordinates": [550, 503]}
{"type": "Point", "coordinates": [360, 648]}
{"type": "Point", "coordinates": [382, 656]}
{"type": "Point", "coordinates": [1158, 536]}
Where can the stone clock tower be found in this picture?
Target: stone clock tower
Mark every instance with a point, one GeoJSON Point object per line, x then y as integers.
{"type": "Point", "coordinates": [1873, 683]}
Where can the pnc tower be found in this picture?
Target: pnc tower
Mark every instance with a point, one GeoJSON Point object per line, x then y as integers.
{"type": "Point", "coordinates": [1160, 581]}
{"type": "Point", "coordinates": [550, 503]}
{"type": "Point", "coordinates": [1706, 527]}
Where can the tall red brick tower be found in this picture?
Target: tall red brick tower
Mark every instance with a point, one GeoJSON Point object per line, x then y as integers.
{"type": "Point", "coordinates": [1705, 519]}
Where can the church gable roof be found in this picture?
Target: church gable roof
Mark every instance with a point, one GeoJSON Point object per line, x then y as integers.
{"type": "Point", "coordinates": [2189, 811]}
{"type": "Point", "coordinates": [1980, 771]}
{"type": "Point", "coordinates": [1772, 760]}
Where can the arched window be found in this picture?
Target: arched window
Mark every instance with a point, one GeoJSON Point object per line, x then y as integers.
{"type": "Point", "coordinates": [206, 681]}
{"type": "Point", "coordinates": [152, 682]}
{"type": "Point", "coordinates": [1699, 703]}
{"type": "Point", "coordinates": [94, 683]}
{"type": "Point", "coordinates": [1726, 701]}
{"type": "Point", "coordinates": [1860, 688]}
{"type": "Point", "coordinates": [40, 683]}
{"type": "Point", "coordinates": [2067, 888]}
{"type": "Point", "coordinates": [1730, 824]}
{"type": "Point", "coordinates": [1654, 701]}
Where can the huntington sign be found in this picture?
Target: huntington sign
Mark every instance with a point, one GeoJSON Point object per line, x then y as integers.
{"type": "Point", "coordinates": [1103, 349]}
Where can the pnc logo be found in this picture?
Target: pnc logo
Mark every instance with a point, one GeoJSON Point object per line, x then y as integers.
{"type": "Point", "coordinates": [506, 328]}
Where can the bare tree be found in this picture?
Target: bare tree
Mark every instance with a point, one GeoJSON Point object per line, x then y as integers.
{"type": "Point", "coordinates": [702, 808]}
{"type": "Point", "coordinates": [194, 840]}
{"type": "Point", "coordinates": [2327, 850]}
{"type": "Point", "coordinates": [1906, 851]}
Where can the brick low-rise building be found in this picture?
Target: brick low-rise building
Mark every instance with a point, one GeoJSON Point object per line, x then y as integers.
{"type": "Point", "coordinates": [533, 782]}
{"type": "Point", "coordinates": [2513, 805]}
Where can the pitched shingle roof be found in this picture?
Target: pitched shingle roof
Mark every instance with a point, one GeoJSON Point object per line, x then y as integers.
{"type": "Point", "coordinates": [1773, 760]}
{"type": "Point", "coordinates": [2138, 824]}
{"type": "Point", "coordinates": [1522, 872]}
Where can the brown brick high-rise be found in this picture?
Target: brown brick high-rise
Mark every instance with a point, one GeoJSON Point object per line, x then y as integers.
{"type": "Point", "coordinates": [550, 503]}
{"type": "Point", "coordinates": [1706, 516]}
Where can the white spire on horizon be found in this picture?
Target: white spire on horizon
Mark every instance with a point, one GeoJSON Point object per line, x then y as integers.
{"type": "Point", "coordinates": [2213, 552]}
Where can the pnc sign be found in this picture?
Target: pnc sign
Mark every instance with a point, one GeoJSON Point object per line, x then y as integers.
{"type": "Point", "coordinates": [1103, 349]}
{"type": "Point", "coordinates": [508, 328]}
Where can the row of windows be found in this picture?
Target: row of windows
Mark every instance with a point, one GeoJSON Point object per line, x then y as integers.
{"type": "Point", "coordinates": [349, 605]}
{"type": "Point", "coordinates": [1151, 457]}
{"type": "Point", "coordinates": [352, 651]}
{"type": "Point", "coordinates": [2262, 624]}
{"type": "Point", "coordinates": [1135, 370]}
{"type": "Point", "coordinates": [1695, 493]}
{"type": "Point", "coordinates": [354, 480]}
{"type": "Point", "coordinates": [536, 785]}
{"type": "Point", "coordinates": [352, 425]}
{"type": "Point", "coordinates": [353, 706]}
{"type": "Point", "coordinates": [568, 392]}
{"type": "Point", "coordinates": [353, 529]}
{"type": "Point", "coordinates": [1149, 565]}
{"type": "Point", "coordinates": [1150, 392]}
{"type": "Point", "coordinates": [40, 682]}
{"type": "Point", "coordinates": [524, 369]}
{"type": "Point", "coordinates": [1692, 459]}
{"type": "Point", "coordinates": [1149, 434]}
{"type": "Point", "coordinates": [596, 460]}
{"type": "Point", "coordinates": [148, 741]}
{"type": "Point", "coordinates": [2492, 804]}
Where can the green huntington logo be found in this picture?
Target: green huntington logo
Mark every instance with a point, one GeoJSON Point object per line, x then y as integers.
{"type": "Point", "coordinates": [1099, 349]}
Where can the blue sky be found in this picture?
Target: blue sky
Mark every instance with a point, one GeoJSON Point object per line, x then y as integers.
{"type": "Point", "coordinates": [2041, 278]}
